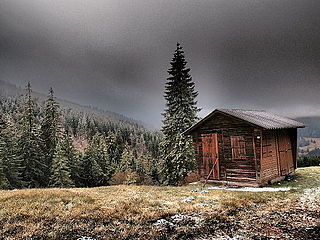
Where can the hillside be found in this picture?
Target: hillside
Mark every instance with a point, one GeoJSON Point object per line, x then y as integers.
{"type": "Point", "coordinates": [312, 129]}
{"type": "Point", "coordinates": [10, 90]}
{"type": "Point", "coordinates": [96, 147]}
{"type": "Point", "coordinates": [149, 212]}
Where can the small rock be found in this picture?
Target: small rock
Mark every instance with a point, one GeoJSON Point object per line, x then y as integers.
{"type": "Point", "coordinates": [186, 200]}
{"type": "Point", "coordinates": [194, 190]}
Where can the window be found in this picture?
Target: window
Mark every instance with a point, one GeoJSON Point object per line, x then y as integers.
{"type": "Point", "coordinates": [238, 146]}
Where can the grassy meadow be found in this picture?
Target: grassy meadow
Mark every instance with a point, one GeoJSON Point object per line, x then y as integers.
{"type": "Point", "coordinates": [133, 212]}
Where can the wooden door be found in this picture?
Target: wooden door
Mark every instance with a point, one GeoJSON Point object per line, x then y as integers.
{"type": "Point", "coordinates": [285, 153]}
{"type": "Point", "coordinates": [210, 155]}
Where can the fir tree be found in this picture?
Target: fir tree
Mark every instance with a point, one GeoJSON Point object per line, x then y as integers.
{"type": "Point", "coordinates": [50, 126]}
{"type": "Point", "coordinates": [11, 163]}
{"type": "Point", "coordinates": [33, 173]}
{"type": "Point", "coordinates": [60, 176]}
{"type": "Point", "coordinates": [180, 114]}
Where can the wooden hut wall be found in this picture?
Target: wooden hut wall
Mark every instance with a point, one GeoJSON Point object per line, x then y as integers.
{"type": "Point", "coordinates": [233, 167]}
{"type": "Point", "coordinates": [238, 161]}
{"type": "Point", "coordinates": [287, 150]}
{"type": "Point", "coordinates": [270, 156]}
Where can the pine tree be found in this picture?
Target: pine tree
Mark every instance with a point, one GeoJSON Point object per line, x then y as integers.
{"type": "Point", "coordinates": [29, 145]}
{"type": "Point", "coordinates": [180, 114]}
{"type": "Point", "coordinates": [60, 176]}
{"type": "Point", "coordinates": [50, 127]}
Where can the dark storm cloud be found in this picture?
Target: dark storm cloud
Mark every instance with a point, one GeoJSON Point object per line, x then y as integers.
{"type": "Point", "coordinates": [114, 54]}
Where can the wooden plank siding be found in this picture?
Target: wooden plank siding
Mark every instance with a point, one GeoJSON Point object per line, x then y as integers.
{"type": "Point", "coordinates": [249, 154]}
{"type": "Point", "coordinates": [231, 167]}
{"type": "Point", "coordinates": [270, 156]}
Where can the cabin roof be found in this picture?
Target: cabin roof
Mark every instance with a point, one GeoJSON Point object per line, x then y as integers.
{"type": "Point", "coordinates": [260, 118]}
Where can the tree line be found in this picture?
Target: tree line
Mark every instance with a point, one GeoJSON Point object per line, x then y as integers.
{"type": "Point", "coordinates": [42, 145]}
{"type": "Point", "coordinates": [37, 146]}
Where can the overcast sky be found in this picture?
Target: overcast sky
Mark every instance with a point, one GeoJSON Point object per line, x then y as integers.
{"type": "Point", "coordinates": [115, 54]}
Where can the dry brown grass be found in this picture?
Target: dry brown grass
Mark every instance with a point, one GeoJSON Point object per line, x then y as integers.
{"type": "Point", "coordinates": [128, 212]}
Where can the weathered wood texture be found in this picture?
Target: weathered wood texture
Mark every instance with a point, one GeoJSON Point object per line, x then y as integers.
{"type": "Point", "coordinates": [279, 149]}
{"type": "Point", "coordinates": [237, 157]}
{"type": "Point", "coordinates": [270, 156]}
{"type": "Point", "coordinates": [246, 153]}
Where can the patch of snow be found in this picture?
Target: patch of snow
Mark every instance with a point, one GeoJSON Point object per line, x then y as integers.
{"type": "Point", "coordinates": [252, 189]}
{"type": "Point", "coordinates": [85, 238]}
{"type": "Point", "coordinates": [70, 206]}
{"type": "Point", "coordinates": [163, 223]}
{"type": "Point", "coordinates": [193, 183]}
{"type": "Point", "coordinates": [187, 200]}
{"type": "Point", "coordinates": [178, 217]}
{"type": "Point", "coordinates": [134, 198]}
{"type": "Point", "coordinates": [204, 191]}
{"type": "Point", "coordinates": [311, 198]}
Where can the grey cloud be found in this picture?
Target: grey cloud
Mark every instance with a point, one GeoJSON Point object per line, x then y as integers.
{"type": "Point", "coordinates": [114, 54]}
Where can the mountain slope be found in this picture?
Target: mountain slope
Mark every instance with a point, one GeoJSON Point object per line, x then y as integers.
{"type": "Point", "coordinates": [10, 90]}
{"type": "Point", "coordinates": [312, 128]}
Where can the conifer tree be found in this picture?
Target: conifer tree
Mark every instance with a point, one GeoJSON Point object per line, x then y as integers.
{"type": "Point", "coordinates": [50, 127]}
{"type": "Point", "coordinates": [95, 167]}
{"type": "Point", "coordinates": [29, 144]}
{"type": "Point", "coordinates": [127, 162]}
{"type": "Point", "coordinates": [72, 157]}
{"type": "Point", "coordinates": [11, 164]}
{"type": "Point", "coordinates": [180, 114]}
{"type": "Point", "coordinates": [60, 171]}
{"type": "Point", "coordinates": [3, 180]}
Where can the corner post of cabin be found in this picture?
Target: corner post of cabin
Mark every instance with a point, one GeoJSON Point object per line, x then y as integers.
{"type": "Point", "coordinates": [257, 146]}
{"type": "Point", "coordinates": [294, 146]}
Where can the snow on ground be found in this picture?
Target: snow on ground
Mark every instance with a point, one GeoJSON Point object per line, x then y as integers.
{"type": "Point", "coordinates": [311, 198]}
{"type": "Point", "coordinates": [252, 189]}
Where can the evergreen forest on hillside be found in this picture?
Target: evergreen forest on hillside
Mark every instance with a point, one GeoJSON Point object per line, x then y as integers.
{"type": "Point", "coordinates": [44, 145]}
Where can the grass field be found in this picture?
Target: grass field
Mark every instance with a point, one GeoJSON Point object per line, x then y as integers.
{"type": "Point", "coordinates": [132, 212]}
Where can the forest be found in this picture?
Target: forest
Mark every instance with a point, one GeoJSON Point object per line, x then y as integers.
{"type": "Point", "coordinates": [44, 145]}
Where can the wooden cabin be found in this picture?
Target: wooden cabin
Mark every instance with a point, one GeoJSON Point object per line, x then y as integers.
{"type": "Point", "coordinates": [245, 147]}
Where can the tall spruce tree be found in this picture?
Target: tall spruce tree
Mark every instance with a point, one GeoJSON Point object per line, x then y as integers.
{"type": "Point", "coordinates": [11, 164]}
{"type": "Point", "coordinates": [180, 113]}
{"type": "Point", "coordinates": [72, 156]}
{"type": "Point", "coordinates": [29, 144]}
{"type": "Point", "coordinates": [60, 171]}
{"type": "Point", "coordinates": [95, 167]}
{"type": "Point", "coordinates": [127, 161]}
{"type": "Point", "coordinates": [50, 127]}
